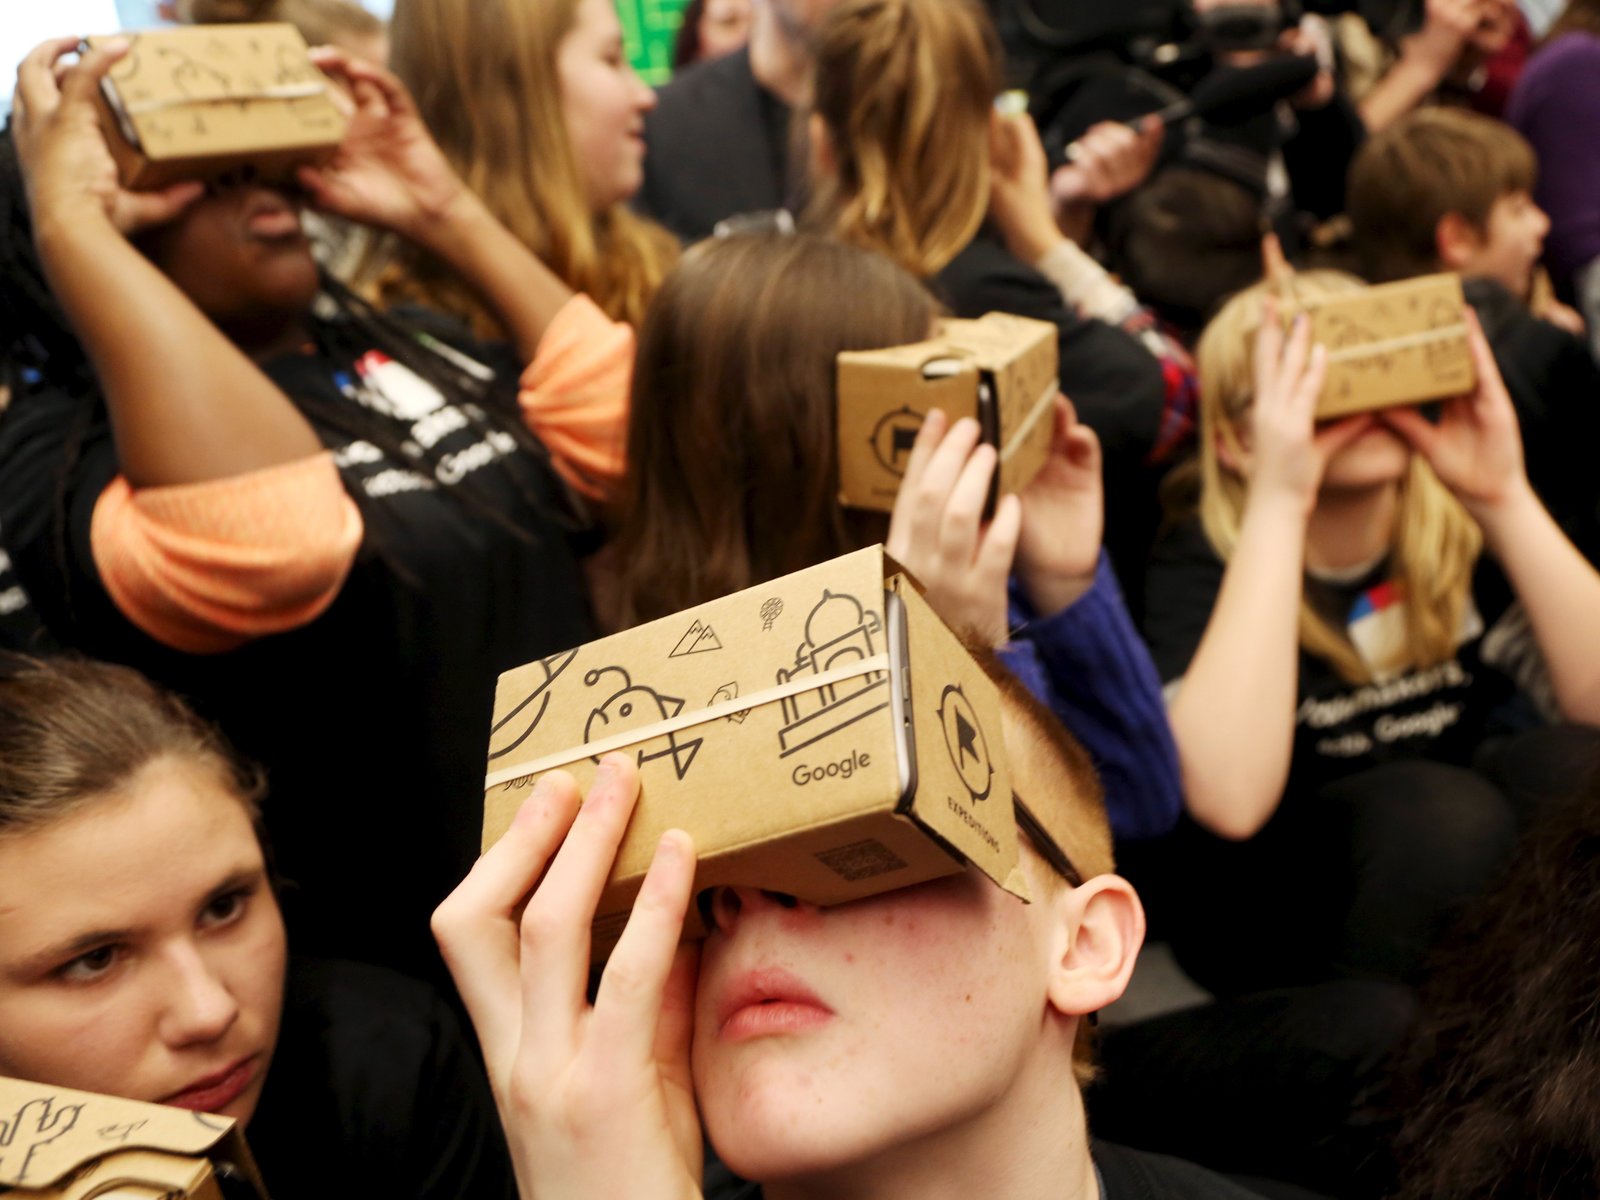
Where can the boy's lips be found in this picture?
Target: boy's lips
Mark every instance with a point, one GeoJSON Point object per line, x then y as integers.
{"type": "Point", "coordinates": [215, 1092]}
{"type": "Point", "coordinates": [766, 1002]}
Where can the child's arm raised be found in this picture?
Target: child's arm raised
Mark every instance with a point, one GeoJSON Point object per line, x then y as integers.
{"type": "Point", "coordinates": [390, 173]}
{"type": "Point", "coordinates": [1233, 716]}
{"type": "Point", "coordinates": [1476, 450]}
{"type": "Point", "coordinates": [596, 1100]}
{"type": "Point", "coordinates": [937, 532]}
{"type": "Point", "coordinates": [1070, 641]}
{"type": "Point", "coordinates": [217, 416]}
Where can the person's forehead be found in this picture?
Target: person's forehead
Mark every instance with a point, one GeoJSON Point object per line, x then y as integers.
{"type": "Point", "coordinates": [165, 839]}
{"type": "Point", "coordinates": [596, 20]}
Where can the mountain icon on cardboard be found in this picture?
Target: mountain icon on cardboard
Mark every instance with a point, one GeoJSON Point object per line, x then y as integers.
{"type": "Point", "coordinates": [700, 639]}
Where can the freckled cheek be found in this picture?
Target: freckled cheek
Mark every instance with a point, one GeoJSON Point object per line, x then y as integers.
{"type": "Point", "coordinates": [949, 996]}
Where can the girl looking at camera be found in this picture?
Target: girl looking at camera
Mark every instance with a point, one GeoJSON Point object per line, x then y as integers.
{"type": "Point", "coordinates": [142, 955]}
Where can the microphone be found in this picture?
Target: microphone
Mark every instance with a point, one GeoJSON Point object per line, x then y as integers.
{"type": "Point", "coordinates": [1229, 95]}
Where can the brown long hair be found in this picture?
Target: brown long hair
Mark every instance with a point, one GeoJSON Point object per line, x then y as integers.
{"type": "Point", "coordinates": [484, 76]}
{"type": "Point", "coordinates": [72, 730]}
{"type": "Point", "coordinates": [905, 89]}
{"type": "Point", "coordinates": [732, 461]}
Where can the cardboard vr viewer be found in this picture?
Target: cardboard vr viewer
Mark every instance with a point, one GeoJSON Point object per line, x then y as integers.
{"type": "Point", "coordinates": [60, 1144]}
{"type": "Point", "coordinates": [822, 735]}
{"type": "Point", "coordinates": [1392, 344]}
{"type": "Point", "coordinates": [1001, 370]}
{"type": "Point", "coordinates": [199, 101]}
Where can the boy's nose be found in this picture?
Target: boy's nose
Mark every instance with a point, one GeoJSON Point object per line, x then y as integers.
{"type": "Point", "coordinates": [721, 907]}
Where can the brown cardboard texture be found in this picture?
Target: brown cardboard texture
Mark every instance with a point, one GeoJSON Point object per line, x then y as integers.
{"type": "Point", "coordinates": [885, 394]}
{"type": "Point", "coordinates": [59, 1144]}
{"type": "Point", "coordinates": [782, 729]}
{"type": "Point", "coordinates": [1393, 344]}
{"type": "Point", "coordinates": [198, 101]}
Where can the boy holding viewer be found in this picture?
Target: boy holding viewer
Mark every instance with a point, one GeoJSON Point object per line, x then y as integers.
{"type": "Point", "coordinates": [925, 1042]}
{"type": "Point", "coordinates": [1447, 190]}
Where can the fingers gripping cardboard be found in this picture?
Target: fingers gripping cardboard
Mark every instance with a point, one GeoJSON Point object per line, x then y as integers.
{"type": "Point", "coordinates": [60, 1144]}
{"type": "Point", "coordinates": [196, 102]}
{"type": "Point", "coordinates": [822, 735]}
{"type": "Point", "coordinates": [1001, 370]}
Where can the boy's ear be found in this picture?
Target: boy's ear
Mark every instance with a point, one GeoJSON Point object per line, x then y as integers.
{"type": "Point", "coordinates": [1099, 935]}
{"type": "Point", "coordinates": [824, 162]}
{"type": "Point", "coordinates": [1456, 240]}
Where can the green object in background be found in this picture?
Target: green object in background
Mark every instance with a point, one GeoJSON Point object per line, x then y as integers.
{"type": "Point", "coordinates": [649, 28]}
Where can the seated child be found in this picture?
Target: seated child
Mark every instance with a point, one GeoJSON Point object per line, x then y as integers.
{"type": "Point", "coordinates": [142, 955]}
{"type": "Point", "coordinates": [737, 365]}
{"type": "Point", "coordinates": [930, 1041]}
{"type": "Point", "coordinates": [1355, 625]}
{"type": "Point", "coordinates": [1445, 190]}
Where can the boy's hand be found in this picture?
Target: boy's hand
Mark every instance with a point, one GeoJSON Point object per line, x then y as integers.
{"type": "Point", "coordinates": [1288, 453]}
{"type": "Point", "coordinates": [1109, 160]}
{"type": "Point", "coordinates": [1476, 448]}
{"type": "Point", "coordinates": [596, 1100]}
{"type": "Point", "coordinates": [388, 171]}
{"type": "Point", "coordinates": [1447, 27]}
{"type": "Point", "coordinates": [1313, 39]}
{"type": "Point", "coordinates": [1063, 517]}
{"type": "Point", "coordinates": [66, 165]}
{"type": "Point", "coordinates": [937, 531]}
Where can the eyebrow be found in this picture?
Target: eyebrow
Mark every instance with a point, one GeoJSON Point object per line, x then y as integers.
{"type": "Point", "coordinates": [67, 951]}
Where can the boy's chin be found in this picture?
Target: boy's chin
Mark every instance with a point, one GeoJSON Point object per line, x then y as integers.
{"type": "Point", "coordinates": [775, 1151]}
{"type": "Point", "coordinates": [772, 1121]}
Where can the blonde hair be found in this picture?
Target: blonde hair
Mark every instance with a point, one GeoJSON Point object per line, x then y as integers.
{"type": "Point", "coordinates": [1434, 542]}
{"type": "Point", "coordinates": [484, 76]}
{"type": "Point", "coordinates": [905, 89]}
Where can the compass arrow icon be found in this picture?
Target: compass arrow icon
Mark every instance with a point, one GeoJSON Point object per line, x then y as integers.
{"type": "Point", "coordinates": [967, 738]}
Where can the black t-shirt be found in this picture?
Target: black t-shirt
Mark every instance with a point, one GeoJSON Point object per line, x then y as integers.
{"type": "Point", "coordinates": [718, 145]}
{"type": "Point", "coordinates": [1124, 1175]}
{"type": "Point", "coordinates": [1555, 386]}
{"type": "Point", "coordinates": [1441, 712]}
{"type": "Point", "coordinates": [373, 1091]}
{"type": "Point", "coordinates": [372, 720]}
{"type": "Point", "coordinates": [20, 626]}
